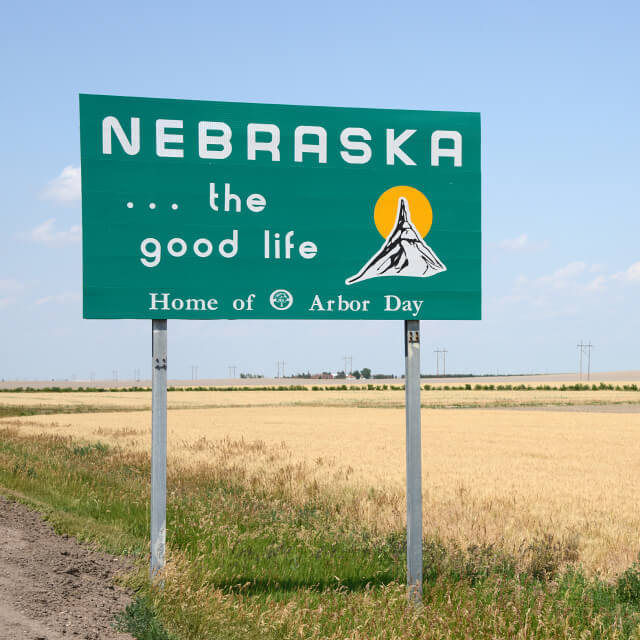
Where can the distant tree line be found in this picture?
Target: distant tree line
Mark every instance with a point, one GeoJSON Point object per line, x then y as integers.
{"type": "Point", "coordinates": [365, 373]}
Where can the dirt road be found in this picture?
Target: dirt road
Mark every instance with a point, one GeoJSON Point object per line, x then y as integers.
{"type": "Point", "coordinates": [52, 587]}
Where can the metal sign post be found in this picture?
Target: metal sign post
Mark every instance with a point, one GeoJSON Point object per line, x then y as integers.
{"type": "Point", "coordinates": [414, 460]}
{"type": "Point", "coordinates": [158, 445]}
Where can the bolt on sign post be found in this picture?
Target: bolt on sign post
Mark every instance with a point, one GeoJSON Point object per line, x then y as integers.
{"type": "Point", "coordinates": [209, 210]}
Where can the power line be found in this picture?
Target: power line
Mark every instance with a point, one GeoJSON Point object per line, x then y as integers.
{"type": "Point", "coordinates": [585, 348]}
{"type": "Point", "coordinates": [280, 366]}
{"type": "Point", "coordinates": [444, 352]}
{"type": "Point", "coordinates": [348, 371]}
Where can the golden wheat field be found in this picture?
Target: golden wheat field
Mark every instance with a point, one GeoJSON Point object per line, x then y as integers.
{"type": "Point", "coordinates": [498, 476]}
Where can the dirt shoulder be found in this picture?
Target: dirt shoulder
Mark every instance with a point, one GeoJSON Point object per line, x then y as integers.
{"type": "Point", "coordinates": [51, 586]}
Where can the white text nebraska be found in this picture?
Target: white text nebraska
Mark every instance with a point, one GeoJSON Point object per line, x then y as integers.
{"type": "Point", "coordinates": [310, 141]}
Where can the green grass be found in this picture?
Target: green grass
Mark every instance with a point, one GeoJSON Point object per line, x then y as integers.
{"type": "Point", "coordinates": [273, 555]}
{"type": "Point", "coordinates": [141, 621]}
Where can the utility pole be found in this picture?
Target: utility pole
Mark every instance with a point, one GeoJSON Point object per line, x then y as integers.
{"type": "Point", "coordinates": [349, 370]}
{"type": "Point", "coordinates": [232, 371]}
{"type": "Point", "coordinates": [115, 375]}
{"type": "Point", "coordinates": [580, 347]}
{"type": "Point", "coordinates": [194, 372]}
{"type": "Point", "coordinates": [585, 348]}
{"type": "Point", "coordinates": [444, 352]}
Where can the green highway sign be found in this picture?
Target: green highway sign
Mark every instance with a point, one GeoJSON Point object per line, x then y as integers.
{"type": "Point", "coordinates": [197, 209]}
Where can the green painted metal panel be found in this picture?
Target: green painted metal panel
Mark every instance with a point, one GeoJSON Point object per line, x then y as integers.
{"type": "Point", "coordinates": [322, 212]}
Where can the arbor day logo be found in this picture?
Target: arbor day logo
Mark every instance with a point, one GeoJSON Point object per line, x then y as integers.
{"type": "Point", "coordinates": [403, 216]}
{"type": "Point", "coordinates": [281, 299]}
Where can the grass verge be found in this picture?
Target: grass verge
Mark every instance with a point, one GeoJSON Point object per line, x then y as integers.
{"type": "Point", "coordinates": [270, 553]}
{"type": "Point", "coordinates": [141, 621]}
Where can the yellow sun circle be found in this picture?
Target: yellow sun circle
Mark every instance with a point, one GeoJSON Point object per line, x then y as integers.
{"type": "Point", "coordinates": [386, 210]}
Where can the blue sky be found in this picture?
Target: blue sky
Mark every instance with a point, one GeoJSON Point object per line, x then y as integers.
{"type": "Point", "coordinates": [557, 87]}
